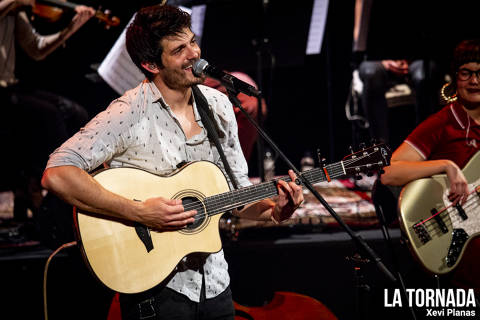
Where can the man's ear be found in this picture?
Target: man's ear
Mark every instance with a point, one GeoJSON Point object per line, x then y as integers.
{"type": "Point", "coordinates": [149, 66]}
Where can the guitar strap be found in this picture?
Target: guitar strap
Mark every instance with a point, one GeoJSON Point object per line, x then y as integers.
{"type": "Point", "coordinates": [213, 131]}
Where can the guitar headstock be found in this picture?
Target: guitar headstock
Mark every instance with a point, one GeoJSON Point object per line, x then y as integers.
{"type": "Point", "coordinates": [367, 160]}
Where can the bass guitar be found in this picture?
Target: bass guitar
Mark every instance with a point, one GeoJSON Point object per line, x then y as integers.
{"type": "Point", "coordinates": [129, 257]}
{"type": "Point", "coordinates": [437, 231]}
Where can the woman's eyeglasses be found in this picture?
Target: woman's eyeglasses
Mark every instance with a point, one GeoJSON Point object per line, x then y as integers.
{"type": "Point", "coordinates": [465, 74]}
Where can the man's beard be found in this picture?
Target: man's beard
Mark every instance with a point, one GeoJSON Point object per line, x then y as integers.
{"type": "Point", "coordinates": [177, 80]}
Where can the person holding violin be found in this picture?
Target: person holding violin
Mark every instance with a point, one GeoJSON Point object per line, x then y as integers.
{"type": "Point", "coordinates": [35, 121]}
{"type": "Point", "coordinates": [16, 27]}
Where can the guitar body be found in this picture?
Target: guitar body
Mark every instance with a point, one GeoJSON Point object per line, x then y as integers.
{"type": "Point", "coordinates": [129, 258]}
{"type": "Point", "coordinates": [439, 251]}
{"type": "Point", "coordinates": [113, 249]}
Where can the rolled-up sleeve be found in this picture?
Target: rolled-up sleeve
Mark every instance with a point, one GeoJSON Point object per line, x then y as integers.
{"type": "Point", "coordinates": [108, 134]}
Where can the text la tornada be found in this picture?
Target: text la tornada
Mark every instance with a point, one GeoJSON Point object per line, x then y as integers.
{"type": "Point", "coordinates": [430, 298]}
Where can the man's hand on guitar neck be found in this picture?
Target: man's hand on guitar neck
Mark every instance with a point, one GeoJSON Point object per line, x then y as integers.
{"type": "Point", "coordinates": [164, 214]}
{"type": "Point", "coordinates": [290, 197]}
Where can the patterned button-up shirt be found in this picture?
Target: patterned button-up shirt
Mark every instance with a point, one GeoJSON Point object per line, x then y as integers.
{"type": "Point", "coordinates": [140, 130]}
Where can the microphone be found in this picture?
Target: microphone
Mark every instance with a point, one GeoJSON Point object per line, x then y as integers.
{"type": "Point", "coordinates": [201, 67]}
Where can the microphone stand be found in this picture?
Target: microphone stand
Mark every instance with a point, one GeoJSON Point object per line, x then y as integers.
{"type": "Point", "coordinates": [260, 44]}
{"type": "Point", "coordinates": [357, 239]}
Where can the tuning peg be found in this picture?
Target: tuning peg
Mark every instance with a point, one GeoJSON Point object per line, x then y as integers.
{"type": "Point", "coordinates": [373, 141]}
{"type": "Point", "coordinates": [362, 145]}
{"type": "Point", "coordinates": [319, 156]}
{"type": "Point", "coordinates": [351, 149]}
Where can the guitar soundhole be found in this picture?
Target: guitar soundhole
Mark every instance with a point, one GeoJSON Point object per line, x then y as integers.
{"type": "Point", "coordinates": [190, 203]}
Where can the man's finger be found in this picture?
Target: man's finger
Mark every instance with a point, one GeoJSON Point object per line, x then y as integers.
{"type": "Point", "coordinates": [285, 186]}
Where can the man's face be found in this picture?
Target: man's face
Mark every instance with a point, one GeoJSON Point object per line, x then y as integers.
{"type": "Point", "coordinates": [179, 54]}
{"type": "Point", "coordinates": [468, 85]}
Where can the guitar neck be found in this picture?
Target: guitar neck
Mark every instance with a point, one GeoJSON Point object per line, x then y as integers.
{"type": "Point", "coordinates": [236, 198]}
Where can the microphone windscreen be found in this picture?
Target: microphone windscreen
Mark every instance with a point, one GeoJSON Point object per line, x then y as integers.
{"type": "Point", "coordinates": [199, 66]}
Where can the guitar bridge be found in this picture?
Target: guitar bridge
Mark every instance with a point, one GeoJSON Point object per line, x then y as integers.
{"type": "Point", "coordinates": [422, 232]}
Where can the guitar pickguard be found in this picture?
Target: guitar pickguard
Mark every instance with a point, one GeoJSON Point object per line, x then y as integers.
{"type": "Point", "coordinates": [471, 208]}
{"type": "Point", "coordinates": [465, 222]}
{"type": "Point", "coordinates": [459, 237]}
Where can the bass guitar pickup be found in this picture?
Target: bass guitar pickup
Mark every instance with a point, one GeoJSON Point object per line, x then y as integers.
{"type": "Point", "coordinates": [439, 220]}
{"type": "Point", "coordinates": [422, 232]}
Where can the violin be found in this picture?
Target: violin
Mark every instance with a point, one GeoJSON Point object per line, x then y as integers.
{"type": "Point", "coordinates": [52, 10]}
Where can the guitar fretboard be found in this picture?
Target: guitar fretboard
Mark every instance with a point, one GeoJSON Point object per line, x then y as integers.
{"type": "Point", "coordinates": [233, 199]}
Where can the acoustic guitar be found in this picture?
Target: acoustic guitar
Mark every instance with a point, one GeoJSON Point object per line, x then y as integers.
{"type": "Point", "coordinates": [437, 231]}
{"type": "Point", "coordinates": [129, 257]}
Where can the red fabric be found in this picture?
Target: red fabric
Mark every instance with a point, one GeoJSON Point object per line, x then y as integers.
{"type": "Point", "coordinates": [444, 136]}
{"type": "Point", "coordinates": [115, 313]}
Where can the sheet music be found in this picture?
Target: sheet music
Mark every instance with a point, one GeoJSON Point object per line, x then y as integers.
{"type": "Point", "coordinates": [317, 27]}
{"type": "Point", "coordinates": [118, 69]}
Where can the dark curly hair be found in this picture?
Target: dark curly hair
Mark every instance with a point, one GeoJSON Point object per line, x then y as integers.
{"type": "Point", "coordinates": [150, 26]}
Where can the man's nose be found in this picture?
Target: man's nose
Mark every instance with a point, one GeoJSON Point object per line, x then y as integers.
{"type": "Point", "coordinates": [194, 52]}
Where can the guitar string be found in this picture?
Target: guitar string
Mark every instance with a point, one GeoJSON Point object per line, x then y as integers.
{"type": "Point", "coordinates": [242, 195]}
{"type": "Point", "coordinates": [335, 170]}
{"type": "Point", "coordinates": [437, 230]}
{"type": "Point", "coordinates": [444, 210]}
{"type": "Point", "coordinates": [227, 202]}
{"type": "Point", "coordinates": [435, 227]}
{"type": "Point", "coordinates": [315, 173]}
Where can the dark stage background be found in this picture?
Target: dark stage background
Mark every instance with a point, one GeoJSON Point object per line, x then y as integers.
{"type": "Point", "coordinates": [306, 97]}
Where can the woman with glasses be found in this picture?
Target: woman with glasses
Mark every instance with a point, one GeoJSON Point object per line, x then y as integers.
{"type": "Point", "coordinates": [445, 142]}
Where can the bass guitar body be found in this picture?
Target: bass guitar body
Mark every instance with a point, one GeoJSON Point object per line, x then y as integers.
{"type": "Point", "coordinates": [438, 232]}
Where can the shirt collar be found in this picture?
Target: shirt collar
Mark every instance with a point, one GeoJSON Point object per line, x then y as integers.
{"type": "Point", "coordinates": [156, 94]}
{"type": "Point", "coordinates": [461, 116]}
